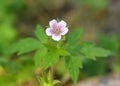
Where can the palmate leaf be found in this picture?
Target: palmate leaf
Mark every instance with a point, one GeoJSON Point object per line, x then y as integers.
{"type": "Point", "coordinates": [45, 60]}
{"type": "Point", "coordinates": [91, 51]}
{"type": "Point", "coordinates": [79, 51]}
{"type": "Point", "coordinates": [46, 57]}
{"type": "Point", "coordinates": [24, 46]}
{"type": "Point", "coordinates": [73, 64]}
{"type": "Point", "coordinates": [40, 34]}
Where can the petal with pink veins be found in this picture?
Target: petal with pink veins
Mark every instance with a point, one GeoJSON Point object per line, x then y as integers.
{"type": "Point", "coordinates": [49, 31]}
{"type": "Point", "coordinates": [56, 37]}
{"type": "Point", "coordinates": [64, 31]}
{"type": "Point", "coordinates": [53, 24]}
{"type": "Point", "coordinates": [62, 24]}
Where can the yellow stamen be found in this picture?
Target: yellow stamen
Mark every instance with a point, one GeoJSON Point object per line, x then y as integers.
{"type": "Point", "coordinates": [57, 31]}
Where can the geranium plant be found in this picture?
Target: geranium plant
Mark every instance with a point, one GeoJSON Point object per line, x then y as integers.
{"type": "Point", "coordinates": [55, 43]}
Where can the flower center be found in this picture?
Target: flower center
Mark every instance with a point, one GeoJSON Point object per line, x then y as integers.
{"type": "Point", "coordinates": [57, 31]}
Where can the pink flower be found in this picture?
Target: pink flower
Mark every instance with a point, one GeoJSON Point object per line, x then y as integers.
{"type": "Point", "coordinates": [57, 29]}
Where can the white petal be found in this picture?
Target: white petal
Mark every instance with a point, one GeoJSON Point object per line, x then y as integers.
{"type": "Point", "coordinates": [53, 24]}
{"type": "Point", "coordinates": [56, 37]}
{"type": "Point", "coordinates": [49, 31]}
{"type": "Point", "coordinates": [62, 24]}
{"type": "Point", "coordinates": [64, 31]}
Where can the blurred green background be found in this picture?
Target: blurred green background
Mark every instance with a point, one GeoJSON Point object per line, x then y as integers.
{"type": "Point", "coordinates": [100, 20]}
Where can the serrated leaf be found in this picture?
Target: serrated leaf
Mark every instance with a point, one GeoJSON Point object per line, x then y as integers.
{"type": "Point", "coordinates": [40, 34]}
{"type": "Point", "coordinates": [45, 59]}
{"type": "Point", "coordinates": [24, 46]}
{"type": "Point", "coordinates": [75, 36]}
{"type": "Point", "coordinates": [12, 49]}
{"type": "Point", "coordinates": [92, 52]}
{"type": "Point", "coordinates": [39, 56]}
{"type": "Point", "coordinates": [28, 45]}
{"type": "Point", "coordinates": [73, 64]}
{"type": "Point", "coordinates": [51, 59]}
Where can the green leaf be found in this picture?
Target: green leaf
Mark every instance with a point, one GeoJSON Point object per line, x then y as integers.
{"type": "Point", "coordinates": [24, 46]}
{"type": "Point", "coordinates": [62, 52]}
{"type": "Point", "coordinates": [75, 36]}
{"type": "Point", "coordinates": [110, 43]}
{"type": "Point", "coordinates": [95, 4]}
{"type": "Point", "coordinates": [73, 64]}
{"type": "Point", "coordinates": [45, 59]}
{"type": "Point", "coordinates": [13, 66]}
{"type": "Point", "coordinates": [11, 49]}
{"type": "Point", "coordinates": [91, 51]}
{"type": "Point", "coordinates": [40, 34]}
{"type": "Point", "coordinates": [28, 45]}
{"type": "Point", "coordinates": [50, 59]}
{"type": "Point", "coordinates": [3, 61]}
{"type": "Point", "coordinates": [39, 56]}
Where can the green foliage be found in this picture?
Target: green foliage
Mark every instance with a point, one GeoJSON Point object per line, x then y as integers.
{"type": "Point", "coordinates": [27, 45]}
{"type": "Point", "coordinates": [7, 81]}
{"type": "Point", "coordinates": [15, 79]}
{"type": "Point", "coordinates": [91, 51]}
{"type": "Point", "coordinates": [49, 52]}
{"type": "Point", "coordinates": [7, 31]}
{"type": "Point", "coordinates": [47, 81]}
{"type": "Point", "coordinates": [25, 73]}
{"type": "Point", "coordinates": [24, 46]}
{"type": "Point", "coordinates": [9, 63]}
{"type": "Point", "coordinates": [40, 34]}
{"type": "Point", "coordinates": [73, 64]}
{"type": "Point", "coordinates": [110, 43]}
{"type": "Point", "coordinates": [81, 51]}
{"type": "Point", "coordinates": [75, 36]}
{"type": "Point", "coordinates": [13, 66]}
{"type": "Point", "coordinates": [95, 3]}
{"type": "Point", "coordinates": [39, 57]}
{"type": "Point", "coordinates": [93, 68]}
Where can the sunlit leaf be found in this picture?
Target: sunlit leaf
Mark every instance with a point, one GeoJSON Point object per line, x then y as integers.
{"type": "Point", "coordinates": [24, 46]}
{"type": "Point", "coordinates": [40, 34]}
{"type": "Point", "coordinates": [92, 52]}
{"type": "Point", "coordinates": [39, 56]}
{"type": "Point", "coordinates": [50, 59]}
{"type": "Point", "coordinates": [73, 64]}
